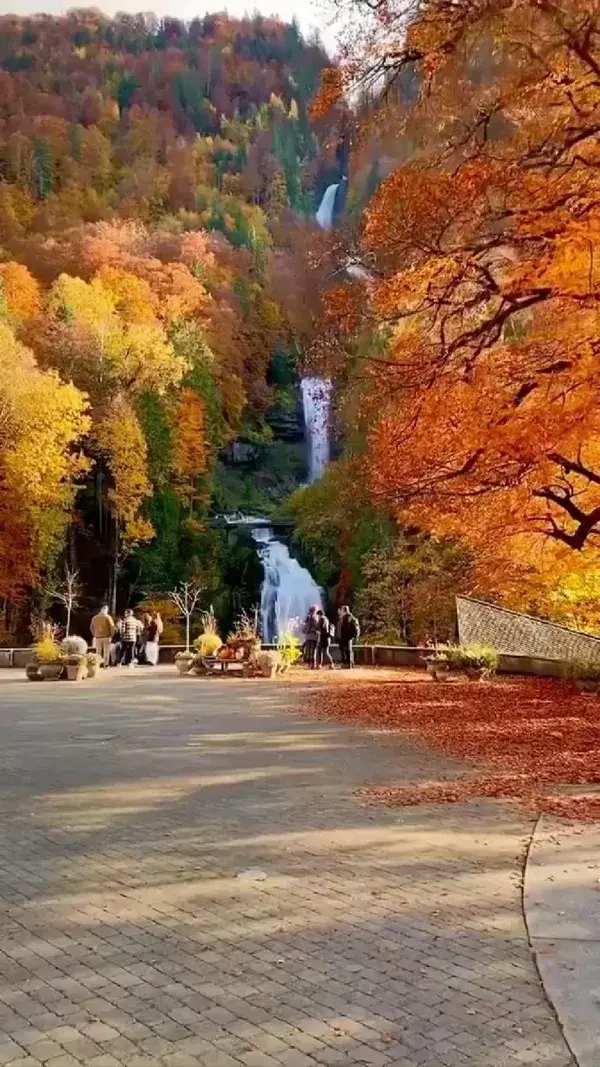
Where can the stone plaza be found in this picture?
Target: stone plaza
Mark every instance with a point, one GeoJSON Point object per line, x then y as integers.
{"type": "Point", "coordinates": [188, 876]}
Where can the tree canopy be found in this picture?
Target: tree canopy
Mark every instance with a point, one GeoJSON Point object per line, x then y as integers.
{"type": "Point", "coordinates": [480, 307]}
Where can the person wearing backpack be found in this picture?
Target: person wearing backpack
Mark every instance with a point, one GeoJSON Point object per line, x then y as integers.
{"type": "Point", "coordinates": [349, 631]}
{"type": "Point", "coordinates": [325, 632]}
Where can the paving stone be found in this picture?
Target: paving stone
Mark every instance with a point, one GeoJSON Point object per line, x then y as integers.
{"type": "Point", "coordinates": [378, 938]}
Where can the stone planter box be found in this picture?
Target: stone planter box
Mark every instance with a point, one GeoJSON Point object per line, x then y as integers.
{"type": "Point", "coordinates": [438, 671]}
{"type": "Point", "coordinates": [184, 663]}
{"type": "Point", "coordinates": [77, 670]}
{"type": "Point", "coordinates": [51, 672]}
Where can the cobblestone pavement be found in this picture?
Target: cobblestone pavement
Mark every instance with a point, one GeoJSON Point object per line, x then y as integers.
{"type": "Point", "coordinates": [127, 811]}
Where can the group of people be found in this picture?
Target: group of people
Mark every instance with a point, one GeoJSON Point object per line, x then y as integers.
{"type": "Point", "coordinates": [319, 632]}
{"type": "Point", "coordinates": [128, 641]}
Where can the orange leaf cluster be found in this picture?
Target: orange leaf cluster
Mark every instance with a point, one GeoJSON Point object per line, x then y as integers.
{"type": "Point", "coordinates": [524, 739]}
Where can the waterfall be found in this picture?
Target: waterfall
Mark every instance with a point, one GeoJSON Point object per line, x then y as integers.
{"type": "Point", "coordinates": [324, 215]}
{"type": "Point", "coordinates": [316, 392]}
{"type": "Point", "coordinates": [316, 397]}
{"type": "Point", "coordinates": [288, 590]}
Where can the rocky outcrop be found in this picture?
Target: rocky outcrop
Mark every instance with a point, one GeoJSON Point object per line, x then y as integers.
{"type": "Point", "coordinates": [286, 423]}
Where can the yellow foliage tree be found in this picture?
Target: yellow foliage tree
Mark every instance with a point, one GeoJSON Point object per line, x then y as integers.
{"type": "Point", "coordinates": [122, 446]}
{"type": "Point", "coordinates": [41, 422]}
{"type": "Point", "coordinates": [104, 350]}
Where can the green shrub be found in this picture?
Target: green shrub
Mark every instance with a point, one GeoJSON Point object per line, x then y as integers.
{"type": "Point", "coordinates": [473, 657]}
{"type": "Point", "coordinates": [583, 670]}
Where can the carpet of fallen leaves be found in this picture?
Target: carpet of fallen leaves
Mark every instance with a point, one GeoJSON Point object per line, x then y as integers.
{"type": "Point", "coordinates": [530, 739]}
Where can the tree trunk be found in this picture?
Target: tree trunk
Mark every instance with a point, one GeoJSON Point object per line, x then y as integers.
{"type": "Point", "coordinates": [68, 621]}
{"type": "Point", "coordinates": [113, 579]}
{"type": "Point", "coordinates": [187, 633]}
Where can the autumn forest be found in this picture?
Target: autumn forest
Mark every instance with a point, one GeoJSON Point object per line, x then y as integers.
{"type": "Point", "coordinates": [164, 287]}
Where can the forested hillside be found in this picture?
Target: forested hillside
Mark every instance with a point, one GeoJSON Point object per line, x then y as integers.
{"type": "Point", "coordinates": [154, 178]}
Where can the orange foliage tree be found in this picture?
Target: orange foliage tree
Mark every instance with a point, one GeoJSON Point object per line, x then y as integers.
{"type": "Point", "coordinates": [191, 452]}
{"type": "Point", "coordinates": [484, 294]}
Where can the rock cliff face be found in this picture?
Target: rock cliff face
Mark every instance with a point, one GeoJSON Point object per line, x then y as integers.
{"type": "Point", "coordinates": [286, 424]}
{"type": "Point", "coordinates": [256, 477]}
{"type": "Point", "coordinates": [240, 454]}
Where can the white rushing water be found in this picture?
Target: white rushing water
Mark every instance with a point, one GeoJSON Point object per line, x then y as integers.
{"type": "Point", "coordinates": [288, 590]}
{"type": "Point", "coordinates": [324, 215]}
{"type": "Point", "coordinates": [316, 392]}
{"type": "Point", "coordinates": [316, 398]}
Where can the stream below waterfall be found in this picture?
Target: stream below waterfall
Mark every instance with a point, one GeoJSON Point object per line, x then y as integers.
{"type": "Point", "coordinates": [288, 589]}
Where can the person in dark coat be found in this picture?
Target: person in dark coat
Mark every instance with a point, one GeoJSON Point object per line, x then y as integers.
{"type": "Point", "coordinates": [349, 632]}
{"type": "Point", "coordinates": [323, 653]}
{"type": "Point", "coordinates": [309, 647]}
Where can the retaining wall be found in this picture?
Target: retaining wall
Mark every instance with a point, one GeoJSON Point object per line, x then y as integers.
{"type": "Point", "coordinates": [366, 655]}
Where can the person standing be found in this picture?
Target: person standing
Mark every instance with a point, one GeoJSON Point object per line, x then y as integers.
{"type": "Point", "coordinates": [102, 628]}
{"type": "Point", "coordinates": [131, 629]}
{"type": "Point", "coordinates": [323, 653]}
{"type": "Point", "coordinates": [349, 632]}
{"type": "Point", "coordinates": [310, 636]}
{"type": "Point", "coordinates": [151, 636]}
{"type": "Point", "coordinates": [116, 648]}
{"type": "Point", "coordinates": [143, 638]}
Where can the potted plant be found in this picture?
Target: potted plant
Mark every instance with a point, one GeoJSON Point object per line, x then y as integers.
{"type": "Point", "coordinates": [208, 643]}
{"type": "Point", "coordinates": [437, 664]}
{"type": "Point", "coordinates": [49, 657]}
{"type": "Point", "coordinates": [585, 674]}
{"type": "Point", "coordinates": [92, 660]}
{"type": "Point", "coordinates": [474, 660]}
{"type": "Point", "coordinates": [77, 667]}
{"type": "Point", "coordinates": [244, 634]}
{"type": "Point", "coordinates": [183, 661]}
{"type": "Point", "coordinates": [74, 646]}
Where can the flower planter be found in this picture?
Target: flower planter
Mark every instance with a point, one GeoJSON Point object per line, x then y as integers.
{"type": "Point", "coordinates": [93, 665]}
{"type": "Point", "coordinates": [438, 671]}
{"type": "Point", "coordinates": [33, 673]}
{"type": "Point", "coordinates": [183, 662]}
{"type": "Point", "coordinates": [476, 674]}
{"type": "Point", "coordinates": [205, 665]}
{"type": "Point", "coordinates": [77, 672]}
{"type": "Point", "coordinates": [51, 672]}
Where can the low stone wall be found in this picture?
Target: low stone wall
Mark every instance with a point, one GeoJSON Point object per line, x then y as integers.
{"type": "Point", "coordinates": [366, 656]}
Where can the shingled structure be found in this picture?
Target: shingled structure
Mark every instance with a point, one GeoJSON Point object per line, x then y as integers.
{"type": "Point", "coordinates": [522, 635]}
